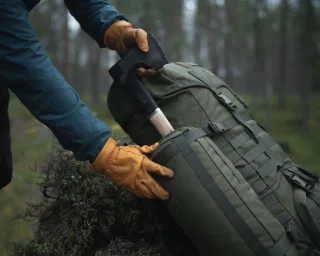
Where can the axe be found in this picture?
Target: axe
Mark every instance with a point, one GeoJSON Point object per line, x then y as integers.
{"type": "Point", "coordinates": [124, 73]}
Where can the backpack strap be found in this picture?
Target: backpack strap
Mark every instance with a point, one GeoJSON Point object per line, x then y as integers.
{"type": "Point", "coordinates": [185, 64]}
{"type": "Point", "coordinates": [301, 178]}
{"type": "Point", "coordinates": [307, 219]}
{"type": "Point", "coordinates": [304, 182]}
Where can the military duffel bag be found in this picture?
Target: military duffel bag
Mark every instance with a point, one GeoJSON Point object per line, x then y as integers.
{"type": "Point", "coordinates": [235, 190]}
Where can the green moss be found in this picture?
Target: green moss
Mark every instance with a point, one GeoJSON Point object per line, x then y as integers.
{"type": "Point", "coordinates": [84, 213]}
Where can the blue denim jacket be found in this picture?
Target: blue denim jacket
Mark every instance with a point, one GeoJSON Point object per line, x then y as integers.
{"type": "Point", "coordinates": [27, 71]}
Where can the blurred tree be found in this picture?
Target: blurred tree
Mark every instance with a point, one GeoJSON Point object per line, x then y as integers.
{"type": "Point", "coordinates": [214, 37]}
{"type": "Point", "coordinates": [172, 19]}
{"type": "Point", "coordinates": [164, 19]}
{"type": "Point", "coordinates": [147, 20]}
{"type": "Point", "coordinates": [238, 44]}
{"type": "Point", "coordinates": [281, 86]}
{"type": "Point", "coordinates": [259, 14]}
{"type": "Point", "coordinates": [307, 48]}
{"type": "Point", "coordinates": [201, 30]}
{"type": "Point", "coordinates": [228, 39]}
{"type": "Point", "coordinates": [48, 19]}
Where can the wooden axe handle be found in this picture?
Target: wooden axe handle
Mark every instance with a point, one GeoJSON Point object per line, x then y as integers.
{"type": "Point", "coordinates": [160, 122]}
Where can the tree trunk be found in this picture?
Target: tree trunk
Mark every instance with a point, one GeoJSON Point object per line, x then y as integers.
{"type": "Point", "coordinates": [259, 48]}
{"type": "Point", "coordinates": [228, 48]}
{"type": "Point", "coordinates": [282, 54]}
{"type": "Point", "coordinates": [261, 87]}
{"type": "Point", "coordinates": [200, 31]}
{"type": "Point", "coordinates": [213, 36]}
{"type": "Point", "coordinates": [307, 49]}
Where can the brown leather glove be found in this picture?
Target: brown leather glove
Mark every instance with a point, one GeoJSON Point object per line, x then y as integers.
{"type": "Point", "coordinates": [129, 167]}
{"type": "Point", "coordinates": [120, 36]}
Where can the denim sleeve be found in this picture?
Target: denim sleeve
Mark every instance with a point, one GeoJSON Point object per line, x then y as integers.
{"type": "Point", "coordinates": [94, 16]}
{"type": "Point", "coordinates": [28, 72]}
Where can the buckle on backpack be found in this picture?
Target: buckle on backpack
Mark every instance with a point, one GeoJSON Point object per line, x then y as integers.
{"type": "Point", "coordinates": [217, 127]}
{"type": "Point", "coordinates": [292, 231]}
{"type": "Point", "coordinates": [226, 101]}
{"type": "Point", "coordinates": [301, 178]}
{"type": "Point", "coordinates": [301, 183]}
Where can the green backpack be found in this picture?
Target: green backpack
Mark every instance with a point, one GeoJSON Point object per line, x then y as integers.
{"type": "Point", "coordinates": [235, 190]}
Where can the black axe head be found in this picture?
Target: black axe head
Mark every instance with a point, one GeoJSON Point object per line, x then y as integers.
{"type": "Point", "coordinates": [155, 58]}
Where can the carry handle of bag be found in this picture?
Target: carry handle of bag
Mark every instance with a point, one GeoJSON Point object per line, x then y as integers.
{"type": "Point", "coordinates": [124, 74]}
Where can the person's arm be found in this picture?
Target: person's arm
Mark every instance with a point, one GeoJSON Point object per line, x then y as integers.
{"type": "Point", "coordinates": [94, 17]}
{"type": "Point", "coordinates": [26, 69]}
{"type": "Point", "coordinates": [106, 25]}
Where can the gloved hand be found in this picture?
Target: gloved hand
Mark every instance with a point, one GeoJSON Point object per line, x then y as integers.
{"type": "Point", "coordinates": [120, 36]}
{"type": "Point", "coordinates": [129, 167]}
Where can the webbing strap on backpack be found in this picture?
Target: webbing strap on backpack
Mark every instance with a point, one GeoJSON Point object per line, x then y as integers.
{"type": "Point", "coordinates": [281, 246]}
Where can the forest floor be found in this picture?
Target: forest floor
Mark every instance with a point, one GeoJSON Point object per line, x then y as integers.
{"type": "Point", "coordinates": [32, 141]}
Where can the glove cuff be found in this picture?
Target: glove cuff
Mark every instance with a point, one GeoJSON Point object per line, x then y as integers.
{"type": "Point", "coordinates": [114, 33]}
{"type": "Point", "coordinates": [105, 156]}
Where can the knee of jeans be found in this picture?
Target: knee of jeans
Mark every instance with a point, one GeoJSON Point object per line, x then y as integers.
{"type": "Point", "coordinates": [5, 179]}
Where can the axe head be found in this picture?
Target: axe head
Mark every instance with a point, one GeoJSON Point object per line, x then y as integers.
{"type": "Point", "coordinates": [155, 58]}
